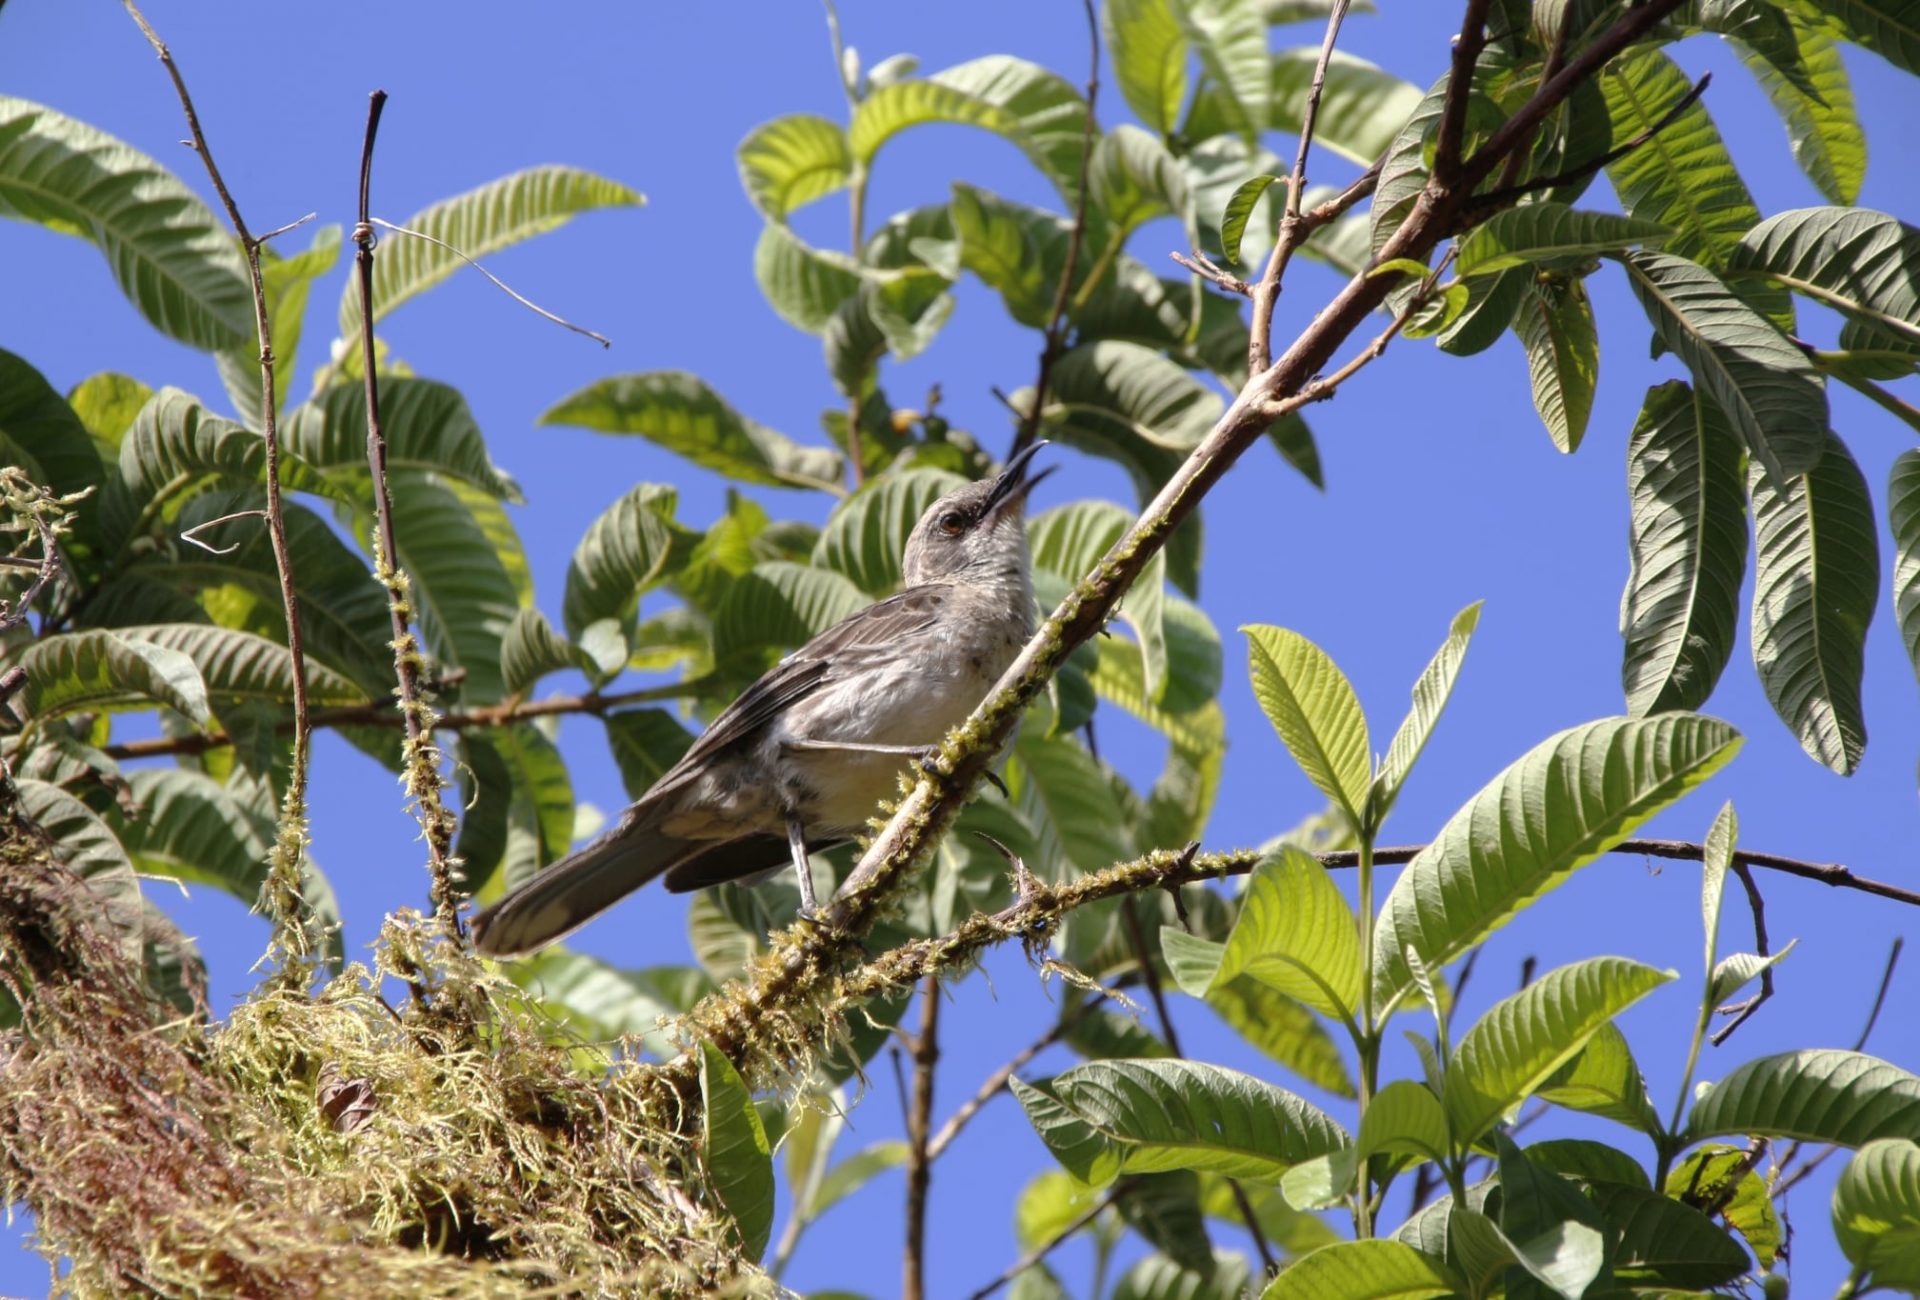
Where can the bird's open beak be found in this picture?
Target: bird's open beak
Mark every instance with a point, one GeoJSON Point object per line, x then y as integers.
{"type": "Point", "coordinates": [1013, 484]}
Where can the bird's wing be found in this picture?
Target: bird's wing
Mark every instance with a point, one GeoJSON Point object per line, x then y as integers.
{"type": "Point", "coordinates": [847, 646]}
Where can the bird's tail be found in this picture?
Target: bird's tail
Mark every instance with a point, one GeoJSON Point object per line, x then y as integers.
{"type": "Point", "coordinates": [571, 892]}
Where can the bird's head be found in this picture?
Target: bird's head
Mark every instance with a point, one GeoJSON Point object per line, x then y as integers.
{"type": "Point", "coordinates": [975, 533]}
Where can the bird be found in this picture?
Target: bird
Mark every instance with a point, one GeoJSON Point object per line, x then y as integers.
{"type": "Point", "coordinates": [800, 760]}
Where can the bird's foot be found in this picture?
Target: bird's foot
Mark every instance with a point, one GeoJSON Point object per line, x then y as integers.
{"type": "Point", "coordinates": [930, 764]}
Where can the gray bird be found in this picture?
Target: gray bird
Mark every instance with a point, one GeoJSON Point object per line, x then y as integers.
{"type": "Point", "coordinates": [804, 755]}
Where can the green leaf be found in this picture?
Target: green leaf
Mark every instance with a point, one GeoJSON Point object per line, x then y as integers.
{"type": "Point", "coordinates": [427, 427]}
{"type": "Point", "coordinates": [1231, 39]}
{"type": "Point", "coordinates": [486, 811]}
{"type": "Point", "coordinates": [1017, 251]}
{"type": "Point", "coordinates": [892, 109]}
{"type": "Point", "coordinates": [532, 648]}
{"type": "Point", "coordinates": [1861, 263]}
{"type": "Point", "coordinates": [1403, 173]}
{"type": "Point", "coordinates": [1375, 1269]}
{"type": "Point", "coordinates": [1404, 1118]}
{"type": "Point", "coordinates": [191, 828]}
{"type": "Point", "coordinates": [604, 1002]}
{"type": "Point", "coordinates": [680, 412]}
{"type": "Point", "coordinates": [83, 671]}
{"type": "Point", "coordinates": [41, 434]}
{"type": "Point", "coordinates": [1430, 694]}
{"type": "Point", "coordinates": [1845, 1098]}
{"type": "Point", "coordinates": [793, 160]}
{"type": "Point", "coordinates": [1082, 1151]}
{"type": "Point", "coordinates": [1603, 1079]}
{"type": "Point", "coordinates": [623, 554]}
{"type": "Point", "coordinates": [1688, 549]}
{"type": "Point", "coordinates": [1545, 232]}
{"type": "Point", "coordinates": [542, 810]}
{"type": "Point", "coordinates": [645, 743]}
{"type": "Point", "coordinates": [781, 604]}
{"type": "Point", "coordinates": [167, 250]}
{"type": "Point", "coordinates": [1903, 515]}
{"type": "Point", "coordinates": [805, 285]}
{"type": "Point", "coordinates": [175, 447]}
{"type": "Point", "coordinates": [1284, 1029]}
{"type": "Point", "coordinates": [1770, 392]}
{"type": "Point", "coordinates": [497, 215]}
{"type": "Point", "coordinates": [1172, 1114]}
{"type": "Point", "coordinates": [1666, 1241]}
{"type": "Point", "coordinates": [1069, 798]}
{"type": "Point", "coordinates": [106, 404]}
{"type": "Point", "coordinates": [1070, 541]}
{"type": "Point", "coordinates": [1048, 1205]}
{"type": "Point", "coordinates": [288, 282]}
{"type": "Point", "coordinates": [1122, 390]}
{"type": "Point", "coordinates": [1701, 1180]}
{"type": "Point", "coordinates": [1292, 438]}
{"type": "Point", "coordinates": [1491, 304]}
{"type": "Point", "coordinates": [1049, 111]}
{"type": "Point", "coordinates": [1165, 1210]}
{"type": "Point", "coordinates": [1312, 705]}
{"type": "Point", "coordinates": [1823, 127]}
{"type": "Point", "coordinates": [1555, 324]}
{"type": "Point", "coordinates": [1816, 581]}
{"type": "Point", "coordinates": [1735, 971]}
{"type": "Point", "coordinates": [1296, 934]}
{"type": "Point", "coordinates": [855, 1172]}
{"type": "Point", "coordinates": [1149, 53]}
{"type": "Point", "coordinates": [1362, 107]}
{"type": "Point", "coordinates": [1553, 811]}
{"type": "Point", "coordinates": [738, 1159]}
{"type": "Point", "coordinates": [1133, 180]}
{"type": "Point", "coordinates": [1876, 1212]}
{"type": "Point", "coordinates": [1890, 28]}
{"type": "Point", "coordinates": [1524, 1039]}
{"type": "Point", "coordinates": [867, 532]}
{"type": "Point", "coordinates": [1240, 206]}
{"type": "Point", "coordinates": [1683, 178]}
{"type": "Point", "coordinates": [1159, 1277]}
{"type": "Point", "coordinates": [1556, 1233]}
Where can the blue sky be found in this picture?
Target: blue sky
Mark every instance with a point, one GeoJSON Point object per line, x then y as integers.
{"type": "Point", "coordinates": [1442, 486]}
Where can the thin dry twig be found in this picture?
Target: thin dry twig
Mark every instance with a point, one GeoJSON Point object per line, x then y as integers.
{"type": "Point", "coordinates": [1742, 1012]}
{"type": "Point", "coordinates": [1493, 200]}
{"type": "Point", "coordinates": [45, 569]}
{"type": "Point", "coordinates": [1056, 331]}
{"type": "Point", "coordinates": [281, 892]}
{"type": "Point", "coordinates": [926, 1054]}
{"type": "Point", "coordinates": [994, 1085]}
{"type": "Point", "coordinates": [422, 757]}
{"type": "Point", "coordinates": [1053, 1243]}
{"type": "Point", "coordinates": [1266, 293]}
{"type": "Point", "coordinates": [193, 534]}
{"type": "Point", "coordinates": [498, 283]}
{"type": "Point", "coordinates": [384, 715]}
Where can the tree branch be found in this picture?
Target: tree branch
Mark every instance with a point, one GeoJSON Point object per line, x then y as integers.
{"type": "Point", "coordinates": [995, 1084]}
{"type": "Point", "coordinates": [384, 715]}
{"type": "Point", "coordinates": [926, 1054]}
{"type": "Point", "coordinates": [1054, 1242]}
{"type": "Point", "coordinates": [281, 890]}
{"type": "Point", "coordinates": [1266, 293]}
{"type": "Point", "coordinates": [1761, 946]}
{"type": "Point", "coordinates": [1451, 136]}
{"type": "Point", "coordinates": [421, 756]}
{"type": "Point", "coordinates": [1056, 332]}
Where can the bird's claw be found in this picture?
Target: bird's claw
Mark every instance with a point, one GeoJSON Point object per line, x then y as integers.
{"type": "Point", "coordinates": [930, 765]}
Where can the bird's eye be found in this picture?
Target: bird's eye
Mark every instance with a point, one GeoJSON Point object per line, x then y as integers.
{"type": "Point", "coordinates": [953, 523]}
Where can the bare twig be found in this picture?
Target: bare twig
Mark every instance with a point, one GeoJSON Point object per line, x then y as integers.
{"type": "Point", "coordinates": [384, 715]}
{"type": "Point", "coordinates": [1266, 293]}
{"type": "Point", "coordinates": [1880, 996]}
{"type": "Point", "coordinates": [1056, 332]}
{"type": "Point", "coordinates": [11, 681]}
{"type": "Point", "coordinates": [994, 1085]}
{"type": "Point", "coordinates": [37, 505]}
{"type": "Point", "coordinates": [1054, 1242]}
{"type": "Point", "coordinates": [281, 892]}
{"type": "Point", "coordinates": [192, 534]}
{"type": "Point", "coordinates": [421, 756]}
{"type": "Point", "coordinates": [1204, 267]}
{"type": "Point", "coordinates": [1450, 139]}
{"type": "Point", "coordinates": [498, 283]}
{"type": "Point", "coordinates": [1493, 200]}
{"type": "Point", "coordinates": [1742, 1012]}
{"type": "Point", "coordinates": [926, 1054]}
{"type": "Point", "coordinates": [1150, 973]}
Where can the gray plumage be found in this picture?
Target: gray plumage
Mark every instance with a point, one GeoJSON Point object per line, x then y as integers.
{"type": "Point", "coordinates": [802, 757]}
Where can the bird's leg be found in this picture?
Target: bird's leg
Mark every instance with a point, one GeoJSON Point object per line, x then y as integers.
{"type": "Point", "coordinates": [797, 845]}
